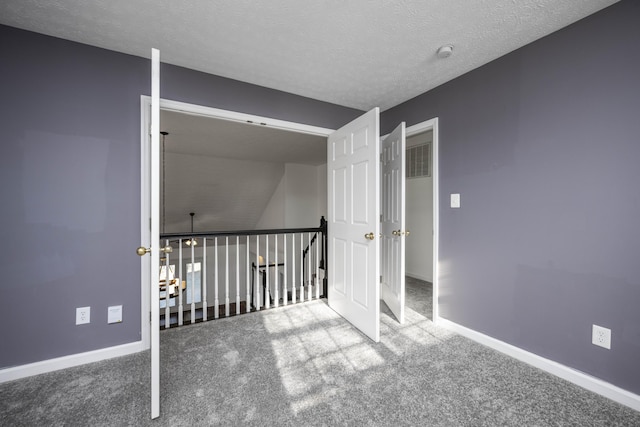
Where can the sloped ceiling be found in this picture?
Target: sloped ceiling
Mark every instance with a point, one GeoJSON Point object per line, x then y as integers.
{"type": "Point", "coordinates": [356, 53]}
{"type": "Point", "coordinates": [224, 171]}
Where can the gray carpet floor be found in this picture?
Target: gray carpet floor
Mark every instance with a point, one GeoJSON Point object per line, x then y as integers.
{"type": "Point", "coordinates": [303, 365]}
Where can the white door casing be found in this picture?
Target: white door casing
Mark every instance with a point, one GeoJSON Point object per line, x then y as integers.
{"type": "Point", "coordinates": [155, 233]}
{"type": "Point", "coordinates": [353, 225]}
{"type": "Point", "coordinates": [393, 231]}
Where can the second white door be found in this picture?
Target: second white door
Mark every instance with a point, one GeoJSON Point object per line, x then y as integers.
{"type": "Point", "coordinates": [393, 221]}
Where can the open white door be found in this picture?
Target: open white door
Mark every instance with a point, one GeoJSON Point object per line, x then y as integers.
{"type": "Point", "coordinates": [393, 223]}
{"type": "Point", "coordinates": [353, 226]}
{"type": "Point", "coordinates": [151, 236]}
{"type": "Point", "coordinates": [155, 233]}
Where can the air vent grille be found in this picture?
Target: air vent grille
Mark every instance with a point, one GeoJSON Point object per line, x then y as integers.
{"type": "Point", "coordinates": [419, 161]}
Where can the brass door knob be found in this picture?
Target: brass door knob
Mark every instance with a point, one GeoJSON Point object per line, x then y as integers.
{"type": "Point", "coordinates": [142, 251]}
{"type": "Point", "coordinates": [370, 236]}
{"type": "Point", "coordinates": [406, 233]}
{"type": "Point", "coordinates": [395, 232]}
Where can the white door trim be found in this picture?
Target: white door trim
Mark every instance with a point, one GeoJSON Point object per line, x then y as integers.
{"type": "Point", "coordinates": [169, 105]}
{"type": "Point", "coordinates": [145, 172]}
{"type": "Point", "coordinates": [425, 126]}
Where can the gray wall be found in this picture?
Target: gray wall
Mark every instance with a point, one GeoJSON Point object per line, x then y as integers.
{"type": "Point", "coordinates": [70, 184]}
{"type": "Point", "coordinates": [544, 146]}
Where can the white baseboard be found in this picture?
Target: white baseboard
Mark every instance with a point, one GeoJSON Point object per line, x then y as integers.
{"type": "Point", "coordinates": [581, 379]}
{"type": "Point", "coordinates": [23, 371]}
{"type": "Point", "coordinates": [419, 277]}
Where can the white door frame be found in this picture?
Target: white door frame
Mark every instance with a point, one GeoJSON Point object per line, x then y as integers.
{"type": "Point", "coordinates": [145, 172]}
{"type": "Point", "coordinates": [421, 127]}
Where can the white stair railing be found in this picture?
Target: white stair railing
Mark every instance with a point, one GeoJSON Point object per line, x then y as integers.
{"type": "Point", "coordinates": [231, 273]}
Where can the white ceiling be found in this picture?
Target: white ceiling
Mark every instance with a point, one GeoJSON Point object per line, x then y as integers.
{"type": "Point", "coordinates": [356, 53]}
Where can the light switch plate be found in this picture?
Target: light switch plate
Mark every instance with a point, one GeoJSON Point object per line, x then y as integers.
{"type": "Point", "coordinates": [114, 314]}
{"type": "Point", "coordinates": [455, 200]}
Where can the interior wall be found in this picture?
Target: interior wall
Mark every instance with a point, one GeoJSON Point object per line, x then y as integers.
{"type": "Point", "coordinates": [70, 167]}
{"type": "Point", "coordinates": [542, 145]}
{"type": "Point", "coordinates": [419, 219]}
{"type": "Point", "coordinates": [273, 214]}
{"type": "Point", "coordinates": [322, 191]}
{"type": "Point", "coordinates": [302, 197]}
{"type": "Point", "coordinates": [298, 201]}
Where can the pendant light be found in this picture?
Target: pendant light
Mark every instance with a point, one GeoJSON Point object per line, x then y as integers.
{"type": "Point", "coordinates": [192, 241]}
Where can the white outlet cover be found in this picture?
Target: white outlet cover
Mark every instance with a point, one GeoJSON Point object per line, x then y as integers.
{"type": "Point", "coordinates": [114, 314]}
{"type": "Point", "coordinates": [83, 315]}
{"type": "Point", "coordinates": [601, 337]}
{"type": "Point", "coordinates": [455, 200]}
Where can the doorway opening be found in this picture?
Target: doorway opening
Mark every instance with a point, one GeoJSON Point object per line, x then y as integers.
{"type": "Point", "coordinates": [422, 218]}
{"type": "Point", "coordinates": [194, 111]}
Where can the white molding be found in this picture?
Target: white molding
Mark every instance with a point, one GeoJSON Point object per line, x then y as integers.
{"type": "Point", "coordinates": [145, 174]}
{"type": "Point", "coordinates": [42, 367]}
{"type": "Point", "coordinates": [418, 276]}
{"type": "Point", "coordinates": [574, 376]}
{"type": "Point", "coordinates": [425, 126]}
{"type": "Point", "coordinates": [193, 109]}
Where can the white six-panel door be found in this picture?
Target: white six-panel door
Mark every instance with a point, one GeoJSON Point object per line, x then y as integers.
{"type": "Point", "coordinates": [393, 231]}
{"type": "Point", "coordinates": [353, 226]}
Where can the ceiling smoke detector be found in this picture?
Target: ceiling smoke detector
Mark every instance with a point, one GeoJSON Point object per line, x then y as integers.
{"type": "Point", "coordinates": [445, 51]}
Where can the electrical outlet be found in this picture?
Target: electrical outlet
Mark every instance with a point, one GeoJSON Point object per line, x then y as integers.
{"type": "Point", "coordinates": [83, 315]}
{"type": "Point", "coordinates": [601, 337]}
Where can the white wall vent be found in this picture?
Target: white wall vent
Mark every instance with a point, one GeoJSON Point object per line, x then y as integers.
{"type": "Point", "coordinates": [419, 161]}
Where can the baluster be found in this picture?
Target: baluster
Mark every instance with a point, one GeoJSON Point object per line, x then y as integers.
{"type": "Point", "coordinates": [257, 283]}
{"type": "Point", "coordinates": [309, 275]}
{"type": "Point", "coordinates": [193, 283]}
{"type": "Point", "coordinates": [167, 281]}
{"type": "Point", "coordinates": [226, 277]}
{"type": "Point", "coordinates": [316, 282]}
{"type": "Point", "coordinates": [302, 267]}
{"type": "Point", "coordinates": [276, 294]}
{"type": "Point", "coordinates": [204, 279]}
{"type": "Point", "coordinates": [180, 277]}
{"type": "Point", "coordinates": [267, 272]}
{"type": "Point", "coordinates": [216, 301]}
{"type": "Point", "coordinates": [293, 268]}
{"type": "Point", "coordinates": [247, 304]}
{"type": "Point", "coordinates": [237, 274]}
{"type": "Point", "coordinates": [285, 290]}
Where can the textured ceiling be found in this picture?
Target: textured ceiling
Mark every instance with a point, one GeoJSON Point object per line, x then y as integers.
{"type": "Point", "coordinates": [355, 53]}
